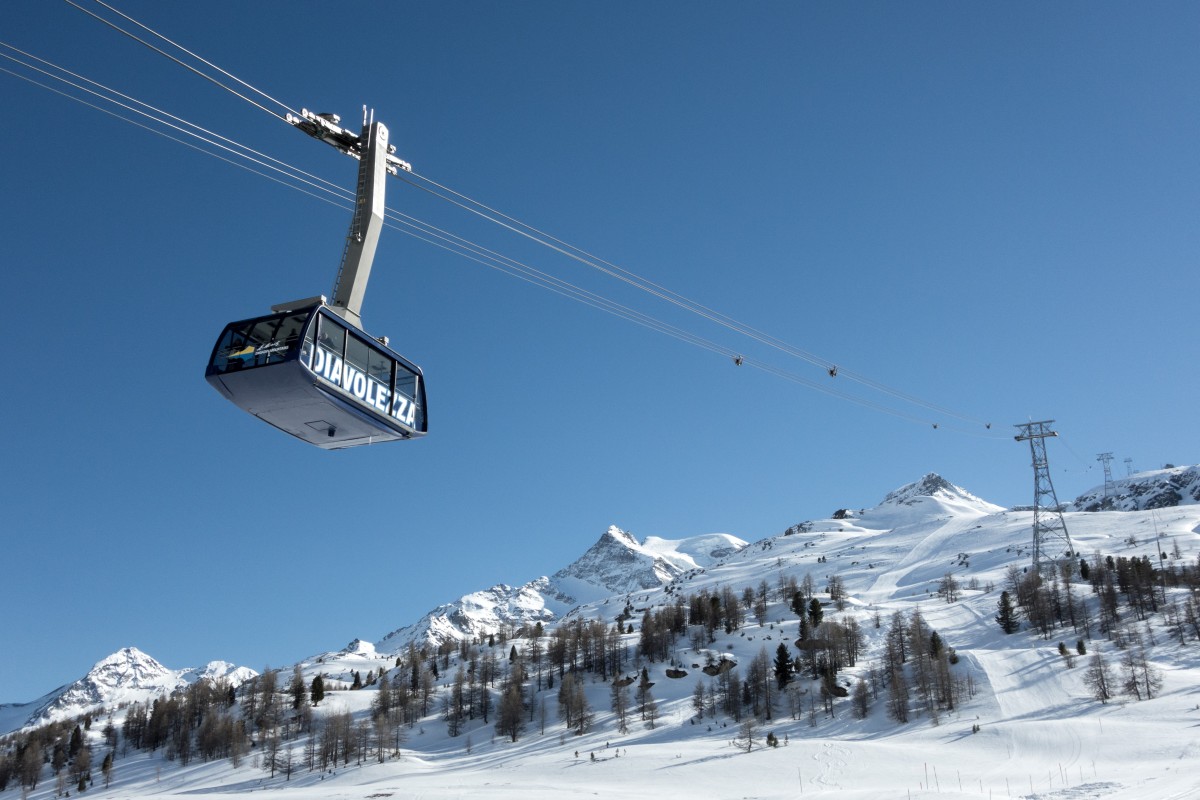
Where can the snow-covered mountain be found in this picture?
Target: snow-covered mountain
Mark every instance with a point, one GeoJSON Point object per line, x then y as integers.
{"type": "Point", "coordinates": [1025, 718]}
{"type": "Point", "coordinates": [1160, 488]}
{"type": "Point", "coordinates": [126, 676]}
{"type": "Point", "coordinates": [930, 496]}
{"type": "Point", "coordinates": [938, 488]}
{"type": "Point", "coordinates": [616, 565]}
{"type": "Point", "coordinates": [619, 564]}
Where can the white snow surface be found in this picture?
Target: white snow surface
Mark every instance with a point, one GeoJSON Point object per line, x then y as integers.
{"type": "Point", "coordinates": [1031, 729]}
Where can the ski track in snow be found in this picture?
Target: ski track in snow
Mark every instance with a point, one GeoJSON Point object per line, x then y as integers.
{"type": "Point", "coordinates": [831, 763]}
{"type": "Point", "coordinates": [934, 544]}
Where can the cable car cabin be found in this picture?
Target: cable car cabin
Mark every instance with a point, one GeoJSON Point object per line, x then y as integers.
{"type": "Point", "coordinates": [312, 374]}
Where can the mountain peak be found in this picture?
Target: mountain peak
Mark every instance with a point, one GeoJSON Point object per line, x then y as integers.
{"type": "Point", "coordinates": [613, 565]}
{"type": "Point", "coordinates": [359, 647]}
{"type": "Point", "coordinates": [128, 668]}
{"type": "Point", "coordinates": [617, 564]}
{"type": "Point", "coordinates": [126, 676]}
{"type": "Point", "coordinates": [934, 486]}
{"type": "Point", "coordinates": [620, 537]}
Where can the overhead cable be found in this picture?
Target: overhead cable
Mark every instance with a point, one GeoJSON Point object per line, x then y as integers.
{"type": "Point", "coordinates": [345, 204]}
{"type": "Point", "coordinates": [544, 280]}
{"type": "Point", "coordinates": [183, 64]}
{"type": "Point", "coordinates": [584, 257]}
{"type": "Point", "coordinates": [201, 59]}
{"type": "Point", "coordinates": [294, 171]}
{"type": "Point", "coordinates": [459, 245]}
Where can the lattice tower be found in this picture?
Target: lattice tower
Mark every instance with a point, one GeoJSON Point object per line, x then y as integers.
{"type": "Point", "coordinates": [1106, 460]}
{"type": "Point", "coordinates": [1051, 542]}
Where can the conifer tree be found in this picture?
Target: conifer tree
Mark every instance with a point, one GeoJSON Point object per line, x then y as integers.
{"type": "Point", "coordinates": [798, 604]}
{"type": "Point", "coordinates": [815, 613]}
{"type": "Point", "coordinates": [76, 742]}
{"type": "Point", "coordinates": [58, 758]}
{"type": "Point", "coordinates": [1006, 614]}
{"type": "Point", "coordinates": [1098, 679]}
{"type": "Point", "coordinates": [645, 699]}
{"type": "Point", "coordinates": [783, 666]}
{"type": "Point", "coordinates": [510, 719]}
{"type": "Point", "coordinates": [862, 702]}
{"type": "Point", "coordinates": [382, 707]}
{"type": "Point", "coordinates": [298, 691]}
{"type": "Point", "coordinates": [317, 692]}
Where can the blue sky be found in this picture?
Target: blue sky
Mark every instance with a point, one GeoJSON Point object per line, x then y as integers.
{"type": "Point", "coordinates": [992, 207]}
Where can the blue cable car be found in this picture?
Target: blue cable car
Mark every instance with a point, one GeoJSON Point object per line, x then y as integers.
{"type": "Point", "coordinates": [308, 368]}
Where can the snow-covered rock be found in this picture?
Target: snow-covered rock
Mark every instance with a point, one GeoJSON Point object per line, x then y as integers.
{"type": "Point", "coordinates": [617, 564]}
{"type": "Point", "coordinates": [931, 496]}
{"type": "Point", "coordinates": [477, 614]}
{"type": "Point", "coordinates": [937, 487]}
{"type": "Point", "coordinates": [220, 670]}
{"type": "Point", "coordinates": [1162, 488]}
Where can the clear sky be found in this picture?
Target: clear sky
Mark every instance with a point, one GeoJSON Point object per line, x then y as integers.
{"type": "Point", "coordinates": [992, 207]}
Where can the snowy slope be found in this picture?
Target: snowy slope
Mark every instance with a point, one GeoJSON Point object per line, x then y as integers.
{"type": "Point", "coordinates": [1029, 729]}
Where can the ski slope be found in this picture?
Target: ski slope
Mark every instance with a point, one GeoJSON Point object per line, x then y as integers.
{"type": "Point", "coordinates": [1030, 730]}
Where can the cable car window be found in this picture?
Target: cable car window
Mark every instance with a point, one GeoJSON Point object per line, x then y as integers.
{"type": "Point", "coordinates": [406, 382]}
{"type": "Point", "coordinates": [332, 337]}
{"type": "Point", "coordinates": [407, 388]}
{"type": "Point", "coordinates": [232, 342]}
{"type": "Point", "coordinates": [357, 378]}
{"type": "Point", "coordinates": [306, 350]}
{"type": "Point", "coordinates": [290, 328]}
{"type": "Point", "coordinates": [358, 354]}
{"type": "Point", "coordinates": [379, 367]}
{"type": "Point", "coordinates": [257, 342]}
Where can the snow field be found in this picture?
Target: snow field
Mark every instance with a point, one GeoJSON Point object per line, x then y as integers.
{"type": "Point", "coordinates": [1039, 734]}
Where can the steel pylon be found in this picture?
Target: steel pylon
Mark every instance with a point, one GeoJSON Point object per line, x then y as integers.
{"type": "Point", "coordinates": [1051, 542]}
